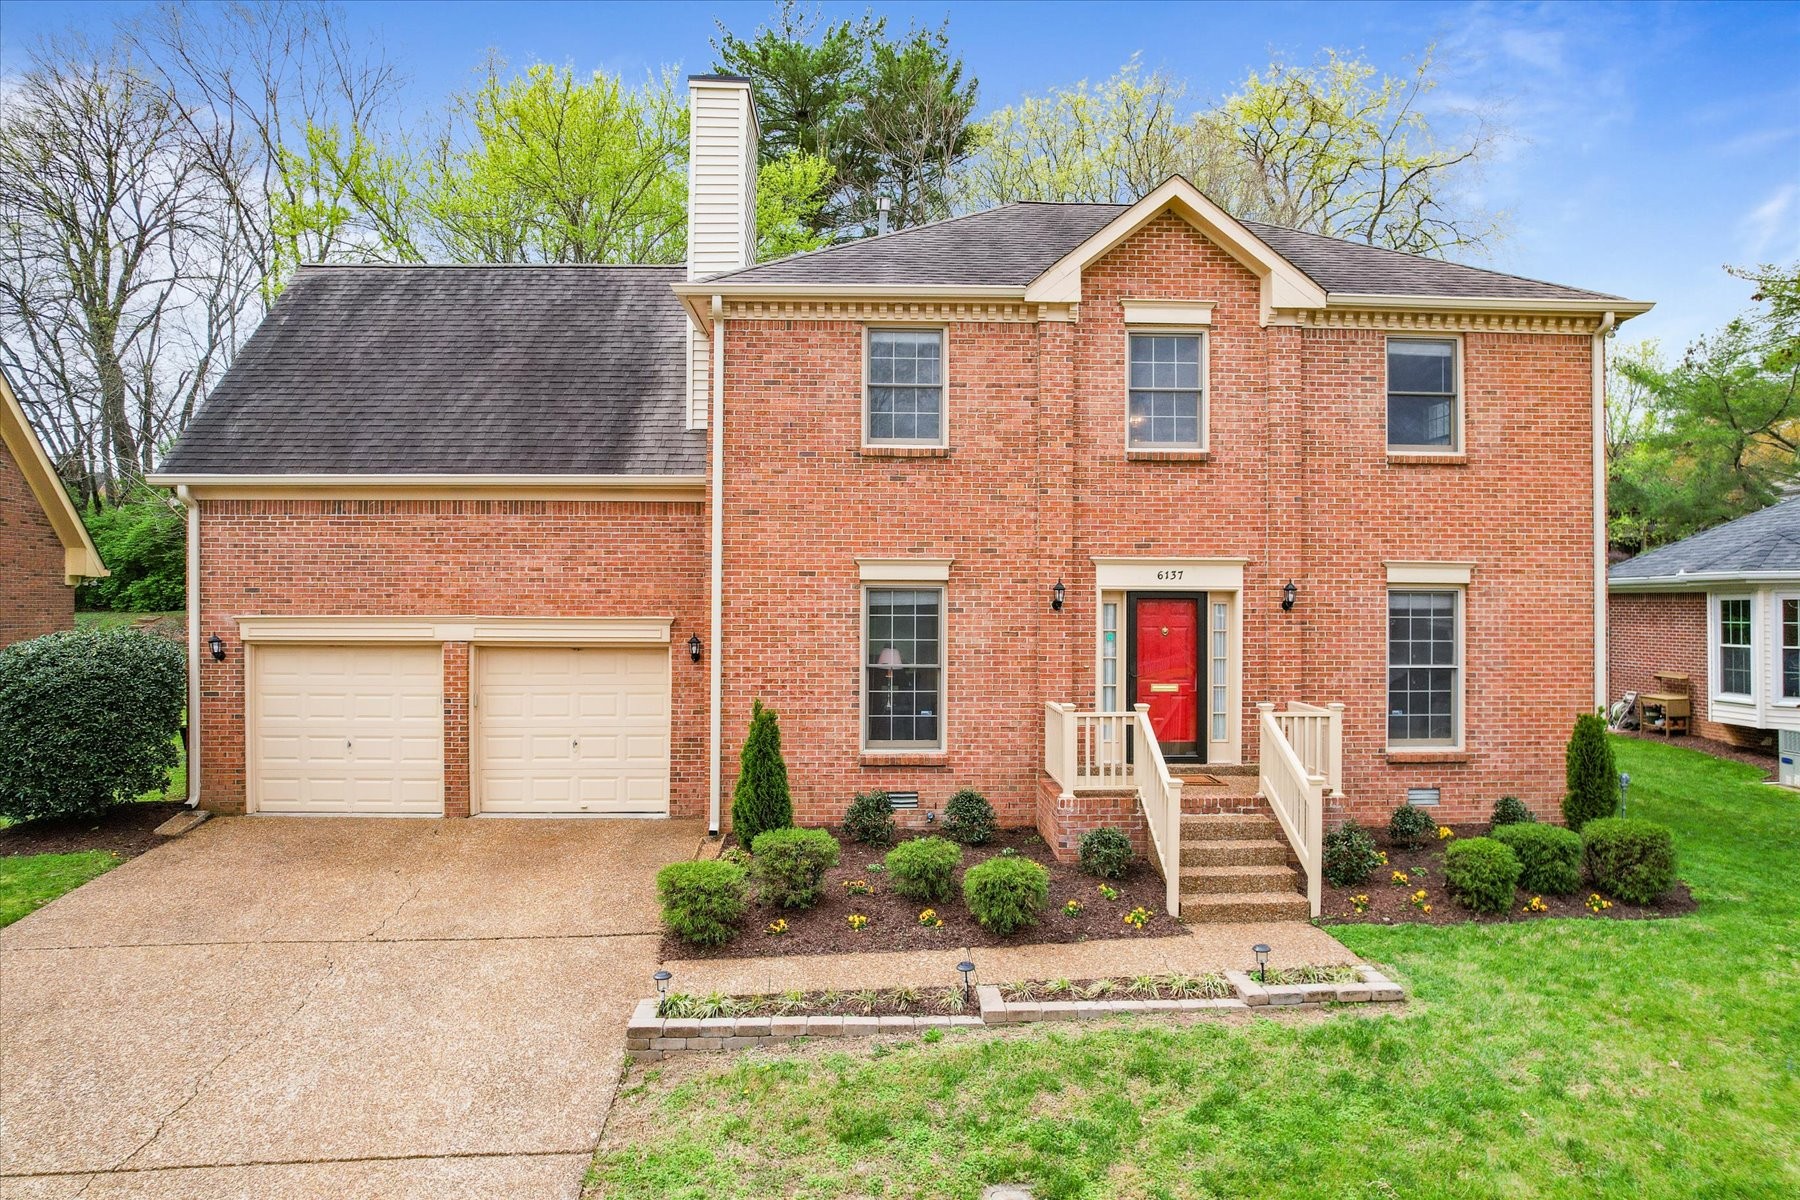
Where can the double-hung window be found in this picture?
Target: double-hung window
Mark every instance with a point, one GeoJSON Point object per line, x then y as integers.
{"type": "Point", "coordinates": [905, 388]}
{"type": "Point", "coordinates": [1424, 668]}
{"type": "Point", "coordinates": [1790, 648]}
{"type": "Point", "coordinates": [903, 672]}
{"type": "Point", "coordinates": [1422, 394]}
{"type": "Point", "coordinates": [1167, 391]}
{"type": "Point", "coordinates": [1736, 646]}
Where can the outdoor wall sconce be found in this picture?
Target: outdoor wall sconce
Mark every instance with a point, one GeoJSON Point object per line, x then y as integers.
{"type": "Point", "coordinates": [1288, 594]}
{"type": "Point", "coordinates": [694, 646]}
{"type": "Point", "coordinates": [217, 645]}
{"type": "Point", "coordinates": [1056, 596]}
{"type": "Point", "coordinates": [1262, 961]}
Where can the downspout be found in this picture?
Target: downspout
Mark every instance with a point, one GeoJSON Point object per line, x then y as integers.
{"type": "Point", "coordinates": [716, 422]}
{"type": "Point", "coordinates": [193, 646]}
{"type": "Point", "coordinates": [1599, 366]}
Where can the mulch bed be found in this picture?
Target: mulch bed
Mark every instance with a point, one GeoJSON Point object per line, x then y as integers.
{"type": "Point", "coordinates": [127, 830]}
{"type": "Point", "coordinates": [894, 920]}
{"type": "Point", "coordinates": [1391, 903]}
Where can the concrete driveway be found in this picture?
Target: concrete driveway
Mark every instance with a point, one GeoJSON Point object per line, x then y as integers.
{"type": "Point", "coordinates": [278, 1007]}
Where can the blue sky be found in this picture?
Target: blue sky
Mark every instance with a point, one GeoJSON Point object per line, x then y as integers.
{"type": "Point", "coordinates": [1652, 144]}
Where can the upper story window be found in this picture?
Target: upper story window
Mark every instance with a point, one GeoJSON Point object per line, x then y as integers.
{"type": "Point", "coordinates": [1167, 391]}
{"type": "Point", "coordinates": [905, 387]}
{"type": "Point", "coordinates": [1736, 641]}
{"type": "Point", "coordinates": [1424, 668]}
{"type": "Point", "coordinates": [1422, 396]}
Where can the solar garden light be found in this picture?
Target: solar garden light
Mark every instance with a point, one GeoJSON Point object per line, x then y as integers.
{"type": "Point", "coordinates": [662, 983]}
{"type": "Point", "coordinates": [967, 968]}
{"type": "Point", "coordinates": [1624, 787]}
{"type": "Point", "coordinates": [1262, 962]}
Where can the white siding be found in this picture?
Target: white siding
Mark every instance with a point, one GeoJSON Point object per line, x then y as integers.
{"type": "Point", "coordinates": [699, 375]}
{"type": "Point", "coordinates": [721, 204]}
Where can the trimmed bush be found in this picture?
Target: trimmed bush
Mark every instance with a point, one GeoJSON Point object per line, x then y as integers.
{"type": "Point", "coordinates": [789, 865]}
{"type": "Point", "coordinates": [760, 801]}
{"type": "Point", "coordinates": [1510, 810]}
{"type": "Point", "coordinates": [1631, 859]}
{"type": "Point", "coordinates": [870, 819]}
{"type": "Point", "coordinates": [969, 818]}
{"type": "Point", "coordinates": [1591, 775]}
{"type": "Point", "coordinates": [1350, 855]}
{"type": "Point", "coordinates": [1105, 852]}
{"type": "Point", "coordinates": [1549, 857]}
{"type": "Point", "coordinates": [1411, 827]}
{"type": "Point", "coordinates": [1482, 873]}
{"type": "Point", "coordinates": [88, 718]}
{"type": "Point", "coordinates": [924, 868]}
{"type": "Point", "coordinates": [702, 902]}
{"type": "Point", "coordinates": [1006, 894]}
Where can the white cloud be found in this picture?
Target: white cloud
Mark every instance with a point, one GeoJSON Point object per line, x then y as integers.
{"type": "Point", "coordinates": [1773, 225]}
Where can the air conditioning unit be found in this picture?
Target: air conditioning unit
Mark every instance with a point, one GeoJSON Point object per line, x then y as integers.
{"type": "Point", "coordinates": [1788, 771]}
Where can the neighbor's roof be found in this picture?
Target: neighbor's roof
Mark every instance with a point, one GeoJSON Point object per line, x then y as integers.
{"type": "Point", "coordinates": [1763, 545]}
{"type": "Point", "coordinates": [1010, 246]}
{"type": "Point", "coordinates": [20, 442]}
{"type": "Point", "coordinates": [484, 370]}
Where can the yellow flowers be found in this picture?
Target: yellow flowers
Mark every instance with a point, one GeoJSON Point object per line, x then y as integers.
{"type": "Point", "coordinates": [858, 887]}
{"type": "Point", "coordinates": [1598, 904]}
{"type": "Point", "coordinates": [1445, 833]}
{"type": "Point", "coordinates": [1536, 905]}
{"type": "Point", "coordinates": [1108, 892]}
{"type": "Point", "coordinates": [1138, 917]}
{"type": "Point", "coordinates": [1418, 901]}
{"type": "Point", "coordinates": [1381, 858]}
{"type": "Point", "coordinates": [1072, 909]}
{"type": "Point", "coordinates": [777, 928]}
{"type": "Point", "coordinates": [1360, 902]}
{"type": "Point", "coordinates": [929, 919]}
{"type": "Point", "coordinates": [1399, 878]}
{"type": "Point", "coordinates": [857, 920]}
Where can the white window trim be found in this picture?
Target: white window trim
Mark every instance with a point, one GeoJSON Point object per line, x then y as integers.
{"type": "Point", "coordinates": [1428, 575]}
{"type": "Point", "coordinates": [862, 665]}
{"type": "Point", "coordinates": [1459, 696]}
{"type": "Point", "coordinates": [1460, 406]}
{"type": "Point", "coordinates": [1176, 314]}
{"type": "Point", "coordinates": [1203, 430]}
{"type": "Point", "coordinates": [1777, 599]}
{"type": "Point", "coordinates": [943, 439]}
{"type": "Point", "coordinates": [1715, 645]}
{"type": "Point", "coordinates": [920, 572]}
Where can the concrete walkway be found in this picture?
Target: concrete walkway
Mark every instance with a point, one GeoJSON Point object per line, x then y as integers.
{"type": "Point", "coordinates": [330, 1008]}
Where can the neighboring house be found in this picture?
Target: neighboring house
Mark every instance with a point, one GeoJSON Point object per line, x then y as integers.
{"type": "Point", "coordinates": [44, 548]}
{"type": "Point", "coordinates": [1723, 608]}
{"type": "Point", "coordinates": [533, 539]}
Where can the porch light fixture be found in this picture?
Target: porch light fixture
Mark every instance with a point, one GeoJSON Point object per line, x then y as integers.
{"type": "Point", "coordinates": [662, 982]}
{"type": "Point", "coordinates": [1624, 787]}
{"type": "Point", "coordinates": [216, 644]}
{"type": "Point", "coordinates": [694, 646]}
{"type": "Point", "coordinates": [1288, 594]}
{"type": "Point", "coordinates": [1056, 596]}
{"type": "Point", "coordinates": [1262, 961]}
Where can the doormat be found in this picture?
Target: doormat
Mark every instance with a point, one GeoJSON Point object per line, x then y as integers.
{"type": "Point", "coordinates": [1203, 780]}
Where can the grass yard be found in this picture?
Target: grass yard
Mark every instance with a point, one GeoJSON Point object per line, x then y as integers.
{"type": "Point", "coordinates": [124, 620]}
{"type": "Point", "coordinates": [1562, 1058]}
{"type": "Point", "coordinates": [30, 881]}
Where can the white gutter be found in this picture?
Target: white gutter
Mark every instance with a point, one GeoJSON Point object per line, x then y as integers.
{"type": "Point", "coordinates": [193, 647]}
{"type": "Point", "coordinates": [716, 427]}
{"type": "Point", "coordinates": [1599, 365]}
{"type": "Point", "coordinates": [316, 479]}
{"type": "Point", "coordinates": [1699, 580]}
{"type": "Point", "coordinates": [1607, 309]}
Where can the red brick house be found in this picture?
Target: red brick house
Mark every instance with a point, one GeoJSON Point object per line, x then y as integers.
{"type": "Point", "coordinates": [1069, 503]}
{"type": "Point", "coordinates": [44, 548]}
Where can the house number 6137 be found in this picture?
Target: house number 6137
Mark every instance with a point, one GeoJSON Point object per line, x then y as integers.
{"type": "Point", "coordinates": [1168, 574]}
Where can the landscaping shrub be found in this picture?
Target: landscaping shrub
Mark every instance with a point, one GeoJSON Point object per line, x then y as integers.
{"type": "Point", "coordinates": [1482, 873]}
{"type": "Point", "coordinates": [1592, 778]}
{"type": "Point", "coordinates": [1411, 827]}
{"type": "Point", "coordinates": [702, 902]}
{"type": "Point", "coordinates": [922, 869]}
{"type": "Point", "coordinates": [1006, 894]}
{"type": "Point", "coordinates": [1628, 858]}
{"type": "Point", "coordinates": [789, 865]}
{"type": "Point", "coordinates": [1105, 852]}
{"type": "Point", "coordinates": [870, 819]}
{"type": "Point", "coordinates": [1549, 857]}
{"type": "Point", "coordinates": [969, 818]}
{"type": "Point", "coordinates": [88, 718]}
{"type": "Point", "coordinates": [761, 801]}
{"type": "Point", "coordinates": [1510, 810]}
{"type": "Point", "coordinates": [1350, 855]}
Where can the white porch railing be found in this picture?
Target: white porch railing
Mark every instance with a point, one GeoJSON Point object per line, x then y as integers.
{"type": "Point", "coordinates": [1107, 751]}
{"type": "Point", "coordinates": [1294, 783]}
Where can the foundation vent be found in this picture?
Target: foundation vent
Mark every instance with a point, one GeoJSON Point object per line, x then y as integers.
{"type": "Point", "coordinates": [902, 800]}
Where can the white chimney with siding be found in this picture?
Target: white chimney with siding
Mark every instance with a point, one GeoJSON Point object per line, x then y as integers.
{"type": "Point", "coordinates": [721, 214]}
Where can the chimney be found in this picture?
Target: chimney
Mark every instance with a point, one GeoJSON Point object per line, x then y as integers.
{"type": "Point", "coordinates": [721, 175]}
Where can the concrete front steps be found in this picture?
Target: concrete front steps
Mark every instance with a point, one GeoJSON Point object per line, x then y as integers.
{"type": "Point", "coordinates": [1234, 867]}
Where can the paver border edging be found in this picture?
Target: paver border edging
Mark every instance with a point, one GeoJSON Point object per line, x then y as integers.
{"type": "Point", "coordinates": [649, 1038]}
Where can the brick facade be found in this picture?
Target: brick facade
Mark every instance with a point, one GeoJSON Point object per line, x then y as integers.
{"type": "Point", "coordinates": [1648, 632]}
{"type": "Point", "coordinates": [34, 600]}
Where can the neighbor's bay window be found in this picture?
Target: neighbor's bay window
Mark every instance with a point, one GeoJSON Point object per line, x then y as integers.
{"type": "Point", "coordinates": [1790, 648]}
{"type": "Point", "coordinates": [1422, 394]}
{"type": "Point", "coordinates": [903, 677]}
{"type": "Point", "coordinates": [1424, 668]}
{"type": "Point", "coordinates": [1167, 392]}
{"type": "Point", "coordinates": [905, 387]}
{"type": "Point", "coordinates": [1736, 639]}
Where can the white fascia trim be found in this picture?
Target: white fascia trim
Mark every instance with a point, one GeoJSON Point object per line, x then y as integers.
{"type": "Point", "coordinates": [1380, 300]}
{"type": "Point", "coordinates": [1446, 574]}
{"type": "Point", "coordinates": [427, 481]}
{"type": "Point", "coordinates": [489, 631]}
{"type": "Point", "coordinates": [725, 288]}
{"type": "Point", "coordinates": [904, 570]}
{"type": "Point", "coordinates": [1168, 312]}
{"type": "Point", "coordinates": [1702, 581]}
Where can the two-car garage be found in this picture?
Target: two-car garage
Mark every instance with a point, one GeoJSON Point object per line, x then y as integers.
{"type": "Point", "coordinates": [357, 727]}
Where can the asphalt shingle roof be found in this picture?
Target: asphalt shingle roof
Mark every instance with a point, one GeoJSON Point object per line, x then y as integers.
{"type": "Point", "coordinates": [556, 370]}
{"type": "Point", "coordinates": [1766, 542]}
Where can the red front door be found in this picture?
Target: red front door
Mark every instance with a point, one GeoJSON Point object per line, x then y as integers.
{"type": "Point", "coordinates": [1166, 669]}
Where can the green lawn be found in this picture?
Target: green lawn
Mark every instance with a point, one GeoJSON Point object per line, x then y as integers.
{"type": "Point", "coordinates": [1560, 1058]}
{"type": "Point", "coordinates": [115, 620]}
{"type": "Point", "coordinates": [30, 881]}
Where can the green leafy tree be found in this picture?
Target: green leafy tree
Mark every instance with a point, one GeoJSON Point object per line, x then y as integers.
{"type": "Point", "coordinates": [1591, 778]}
{"type": "Point", "coordinates": [760, 801]}
{"type": "Point", "coordinates": [143, 542]}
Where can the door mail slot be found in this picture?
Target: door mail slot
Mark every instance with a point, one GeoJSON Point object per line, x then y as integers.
{"type": "Point", "coordinates": [1165, 687]}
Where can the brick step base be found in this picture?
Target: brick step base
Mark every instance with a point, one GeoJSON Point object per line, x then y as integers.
{"type": "Point", "coordinates": [1244, 906]}
{"type": "Point", "coordinates": [1235, 852]}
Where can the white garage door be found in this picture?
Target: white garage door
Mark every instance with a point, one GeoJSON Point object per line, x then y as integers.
{"type": "Point", "coordinates": [348, 729]}
{"type": "Point", "coordinates": [573, 730]}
